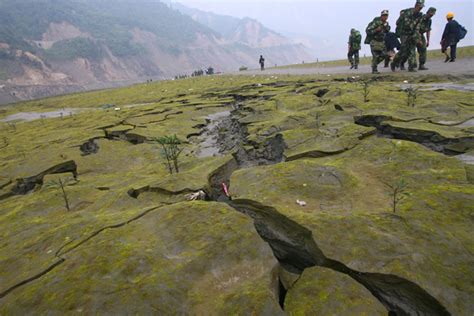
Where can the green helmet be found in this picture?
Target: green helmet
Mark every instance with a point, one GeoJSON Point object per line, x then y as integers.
{"type": "Point", "coordinates": [431, 10]}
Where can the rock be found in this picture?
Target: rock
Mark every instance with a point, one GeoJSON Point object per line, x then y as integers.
{"type": "Point", "coordinates": [321, 291]}
{"type": "Point", "coordinates": [191, 258]}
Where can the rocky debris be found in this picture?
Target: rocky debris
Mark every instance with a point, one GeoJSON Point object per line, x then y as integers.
{"type": "Point", "coordinates": [271, 151]}
{"type": "Point", "coordinates": [89, 147]}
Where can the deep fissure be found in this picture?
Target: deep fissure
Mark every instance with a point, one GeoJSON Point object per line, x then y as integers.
{"type": "Point", "coordinates": [295, 249]}
{"type": "Point", "coordinates": [429, 139]}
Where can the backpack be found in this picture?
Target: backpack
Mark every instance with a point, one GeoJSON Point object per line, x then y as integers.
{"type": "Point", "coordinates": [368, 38]}
{"type": "Point", "coordinates": [462, 32]}
{"type": "Point", "coordinates": [357, 39]}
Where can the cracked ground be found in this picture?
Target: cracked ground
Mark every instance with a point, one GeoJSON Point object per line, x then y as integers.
{"type": "Point", "coordinates": [156, 253]}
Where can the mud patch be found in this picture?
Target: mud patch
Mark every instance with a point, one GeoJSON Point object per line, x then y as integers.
{"type": "Point", "coordinates": [440, 87]}
{"type": "Point", "coordinates": [33, 116]}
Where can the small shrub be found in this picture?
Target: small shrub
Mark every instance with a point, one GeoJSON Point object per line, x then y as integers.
{"type": "Point", "coordinates": [171, 150]}
{"type": "Point", "coordinates": [366, 89]}
{"type": "Point", "coordinates": [61, 184]}
{"type": "Point", "coordinates": [397, 192]}
{"type": "Point", "coordinates": [412, 95]}
{"type": "Point", "coordinates": [243, 68]}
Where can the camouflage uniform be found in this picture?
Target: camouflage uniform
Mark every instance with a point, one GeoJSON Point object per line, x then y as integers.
{"type": "Point", "coordinates": [354, 47]}
{"type": "Point", "coordinates": [375, 36]}
{"type": "Point", "coordinates": [408, 25]}
{"type": "Point", "coordinates": [425, 26]}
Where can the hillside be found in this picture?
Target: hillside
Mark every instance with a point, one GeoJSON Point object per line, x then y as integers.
{"type": "Point", "coordinates": [335, 205]}
{"type": "Point", "coordinates": [49, 46]}
{"type": "Point", "coordinates": [234, 30]}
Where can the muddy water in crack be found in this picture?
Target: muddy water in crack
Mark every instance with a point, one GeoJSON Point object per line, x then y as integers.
{"type": "Point", "coordinates": [295, 249]}
{"type": "Point", "coordinates": [209, 146]}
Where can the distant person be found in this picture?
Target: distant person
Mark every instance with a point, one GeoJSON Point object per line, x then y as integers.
{"type": "Point", "coordinates": [354, 48]}
{"type": "Point", "coordinates": [391, 43]}
{"type": "Point", "coordinates": [424, 43]}
{"type": "Point", "coordinates": [261, 61]}
{"type": "Point", "coordinates": [376, 31]}
{"type": "Point", "coordinates": [408, 30]}
{"type": "Point", "coordinates": [450, 38]}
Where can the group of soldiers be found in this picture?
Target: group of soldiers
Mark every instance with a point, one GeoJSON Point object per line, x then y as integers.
{"type": "Point", "coordinates": [411, 27]}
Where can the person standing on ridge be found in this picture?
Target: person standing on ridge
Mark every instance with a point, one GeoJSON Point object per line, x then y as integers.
{"type": "Point", "coordinates": [450, 37]}
{"type": "Point", "coordinates": [408, 25]}
{"type": "Point", "coordinates": [262, 63]}
{"type": "Point", "coordinates": [424, 43]}
{"type": "Point", "coordinates": [376, 31]}
{"type": "Point", "coordinates": [353, 48]}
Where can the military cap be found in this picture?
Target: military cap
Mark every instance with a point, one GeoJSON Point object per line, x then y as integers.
{"type": "Point", "coordinates": [384, 12]}
{"type": "Point", "coordinates": [431, 10]}
{"type": "Point", "coordinates": [420, 2]}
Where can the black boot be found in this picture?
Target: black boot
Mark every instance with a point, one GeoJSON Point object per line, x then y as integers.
{"type": "Point", "coordinates": [422, 67]}
{"type": "Point", "coordinates": [393, 66]}
{"type": "Point", "coordinates": [452, 60]}
{"type": "Point", "coordinates": [402, 67]}
{"type": "Point", "coordinates": [447, 58]}
{"type": "Point", "coordinates": [356, 66]}
{"type": "Point", "coordinates": [375, 71]}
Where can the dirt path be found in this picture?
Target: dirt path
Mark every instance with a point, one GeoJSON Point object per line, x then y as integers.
{"type": "Point", "coordinates": [463, 66]}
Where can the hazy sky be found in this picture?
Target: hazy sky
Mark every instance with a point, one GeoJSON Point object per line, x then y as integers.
{"type": "Point", "coordinates": [329, 21]}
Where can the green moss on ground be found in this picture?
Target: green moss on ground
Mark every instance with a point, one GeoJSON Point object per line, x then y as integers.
{"type": "Point", "coordinates": [204, 258]}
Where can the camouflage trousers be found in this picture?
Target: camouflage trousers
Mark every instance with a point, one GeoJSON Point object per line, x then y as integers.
{"type": "Point", "coordinates": [353, 56]}
{"type": "Point", "coordinates": [379, 52]}
{"type": "Point", "coordinates": [421, 47]}
{"type": "Point", "coordinates": [407, 52]}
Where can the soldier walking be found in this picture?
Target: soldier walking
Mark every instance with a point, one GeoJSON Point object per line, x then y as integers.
{"type": "Point", "coordinates": [424, 43]}
{"type": "Point", "coordinates": [451, 37]}
{"type": "Point", "coordinates": [408, 25]}
{"type": "Point", "coordinates": [376, 31]}
{"type": "Point", "coordinates": [261, 61]}
{"type": "Point", "coordinates": [354, 48]}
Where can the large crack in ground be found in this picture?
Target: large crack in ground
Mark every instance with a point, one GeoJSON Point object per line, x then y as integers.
{"type": "Point", "coordinates": [26, 185]}
{"type": "Point", "coordinates": [429, 139]}
{"type": "Point", "coordinates": [292, 244]}
{"type": "Point", "coordinates": [295, 249]}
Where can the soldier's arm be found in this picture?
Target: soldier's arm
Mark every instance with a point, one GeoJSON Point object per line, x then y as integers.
{"type": "Point", "coordinates": [373, 28]}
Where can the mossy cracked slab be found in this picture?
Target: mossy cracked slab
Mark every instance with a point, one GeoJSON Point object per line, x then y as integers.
{"type": "Point", "coordinates": [348, 210]}
{"type": "Point", "coordinates": [428, 240]}
{"type": "Point", "coordinates": [321, 291]}
{"type": "Point", "coordinates": [185, 258]}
